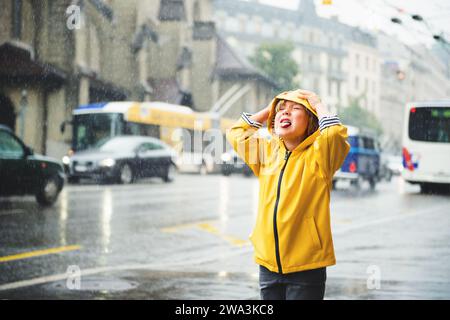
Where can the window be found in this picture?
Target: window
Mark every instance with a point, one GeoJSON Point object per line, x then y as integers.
{"type": "Point", "coordinates": [9, 146]}
{"type": "Point", "coordinates": [430, 124]}
{"type": "Point", "coordinates": [197, 16]}
{"type": "Point", "coordinates": [368, 143]}
{"type": "Point", "coordinates": [149, 146]}
{"type": "Point", "coordinates": [356, 83]}
{"type": "Point", "coordinates": [232, 24]}
{"type": "Point", "coordinates": [17, 19]}
{"type": "Point", "coordinates": [251, 26]}
{"type": "Point", "coordinates": [316, 85]}
{"type": "Point", "coordinates": [242, 24]}
{"type": "Point", "coordinates": [267, 30]}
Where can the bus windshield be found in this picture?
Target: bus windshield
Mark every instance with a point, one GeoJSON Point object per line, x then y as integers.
{"type": "Point", "coordinates": [91, 129]}
{"type": "Point", "coordinates": [430, 124]}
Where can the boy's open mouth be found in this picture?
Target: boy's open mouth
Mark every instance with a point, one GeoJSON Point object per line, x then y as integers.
{"type": "Point", "coordinates": [285, 123]}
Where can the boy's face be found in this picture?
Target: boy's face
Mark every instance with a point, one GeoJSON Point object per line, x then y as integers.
{"type": "Point", "coordinates": [291, 121]}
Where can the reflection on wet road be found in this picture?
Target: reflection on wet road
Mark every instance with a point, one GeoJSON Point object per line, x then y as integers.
{"type": "Point", "coordinates": [189, 240]}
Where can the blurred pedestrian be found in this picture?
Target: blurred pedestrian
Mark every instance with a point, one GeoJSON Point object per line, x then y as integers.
{"type": "Point", "coordinates": [292, 235]}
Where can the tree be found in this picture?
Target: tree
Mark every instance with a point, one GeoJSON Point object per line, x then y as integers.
{"type": "Point", "coordinates": [356, 116]}
{"type": "Point", "coordinates": [275, 60]}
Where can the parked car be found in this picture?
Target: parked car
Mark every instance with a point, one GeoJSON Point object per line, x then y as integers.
{"type": "Point", "coordinates": [124, 159]}
{"type": "Point", "coordinates": [395, 165]}
{"type": "Point", "coordinates": [390, 166]}
{"type": "Point", "coordinates": [195, 162]}
{"type": "Point", "coordinates": [231, 163]}
{"type": "Point", "coordinates": [23, 172]}
{"type": "Point", "coordinates": [363, 160]}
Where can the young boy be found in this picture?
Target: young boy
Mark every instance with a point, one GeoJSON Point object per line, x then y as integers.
{"type": "Point", "coordinates": [292, 235]}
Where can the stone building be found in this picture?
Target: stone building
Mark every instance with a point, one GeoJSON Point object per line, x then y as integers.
{"type": "Point", "coordinates": [56, 55]}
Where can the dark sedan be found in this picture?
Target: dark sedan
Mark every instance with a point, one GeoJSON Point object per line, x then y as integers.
{"type": "Point", "coordinates": [124, 159]}
{"type": "Point", "coordinates": [22, 172]}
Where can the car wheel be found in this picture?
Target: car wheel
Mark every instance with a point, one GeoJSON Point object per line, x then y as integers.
{"type": "Point", "coordinates": [426, 188]}
{"type": "Point", "coordinates": [248, 173]}
{"type": "Point", "coordinates": [203, 169]}
{"type": "Point", "coordinates": [226, 173]}
{"type": "Point", "coordinates": [170, 173]}
{"type": "Point", "coordinates": [388, 176]}
{"type": "Point", "coordinates": [333, 184]}
{"type": "Point", "coordinates": [73, 180]}
{"type": "Point", "coordinates": [126, 175]}
{"type": "Point", "coordinates": [372, 183]}
{"type": "Point", "coordinates": [48, 191]}
{"type": "Point", "coordinates": [357, 183]}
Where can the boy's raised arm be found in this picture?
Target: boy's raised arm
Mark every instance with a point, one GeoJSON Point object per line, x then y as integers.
{"type": "Point", "coordinates": [242, 138]}
{"type": "Point", "coordinates": [331, 146]}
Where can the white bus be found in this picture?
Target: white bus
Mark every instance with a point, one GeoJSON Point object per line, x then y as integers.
{"type": "Point", "coordinates": [426, 144]}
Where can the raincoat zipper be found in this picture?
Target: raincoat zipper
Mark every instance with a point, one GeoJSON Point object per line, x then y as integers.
{"type": "Point", "coordinates": [275, 230]}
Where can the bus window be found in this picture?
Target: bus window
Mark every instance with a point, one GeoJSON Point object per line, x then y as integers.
{"type": "Point", "coordinates": [429, 124]}
{"type": "Point", "coordinates": [141, 129]}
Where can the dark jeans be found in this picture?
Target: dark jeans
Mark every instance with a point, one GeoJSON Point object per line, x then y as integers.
{"type": "Point", "coordinates": [303, 285]}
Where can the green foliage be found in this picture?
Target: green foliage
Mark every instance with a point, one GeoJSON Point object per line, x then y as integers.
{"type": "Point", "coordinates": [275, 60]}
{"type": "Point", "coordinates": [356, 116]}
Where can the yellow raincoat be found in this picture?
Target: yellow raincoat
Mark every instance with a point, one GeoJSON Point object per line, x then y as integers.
{"type": "Point", "coordinates": [292, 231]}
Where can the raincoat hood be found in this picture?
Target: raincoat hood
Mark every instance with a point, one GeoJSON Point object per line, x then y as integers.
{"type": "Point", "coordinates": [290, 96]}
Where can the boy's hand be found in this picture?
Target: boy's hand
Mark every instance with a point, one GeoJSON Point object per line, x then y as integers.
{"type": "Point", "coordinates": [315, 102]}
{"type": "Point", "coordinates": [312, 98]}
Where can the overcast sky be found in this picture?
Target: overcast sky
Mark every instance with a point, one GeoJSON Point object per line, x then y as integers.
{"type": "Point", "coordinates": [376, 14]}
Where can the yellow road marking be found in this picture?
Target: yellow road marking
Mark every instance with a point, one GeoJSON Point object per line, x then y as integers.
{"type": "Point", "coordinates": [38, 253]}
{"type": "Point", "coordinates": [213, 230]}
{"type": "Point", "coordinates": [208, 227]}
{"type": "Point", "coordinates": [182, 226]}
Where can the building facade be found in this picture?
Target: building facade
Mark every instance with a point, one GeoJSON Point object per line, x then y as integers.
{"type": "Point", "coordinates": [337, 61]}
{"type": "Point", "coordinates": [57, 55]}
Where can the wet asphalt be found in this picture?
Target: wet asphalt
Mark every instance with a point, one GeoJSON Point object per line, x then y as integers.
{"type": "Point", "coordinates": [189, 240]}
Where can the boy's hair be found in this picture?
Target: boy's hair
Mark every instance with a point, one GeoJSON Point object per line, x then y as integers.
{"type": "Point", "coordinates": [313, 122]}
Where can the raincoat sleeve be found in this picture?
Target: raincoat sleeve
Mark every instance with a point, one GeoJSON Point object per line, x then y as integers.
{"type": "Point", "coordinates": [331, 146]}
{"type": "Point", "coordinates": [242, 138]}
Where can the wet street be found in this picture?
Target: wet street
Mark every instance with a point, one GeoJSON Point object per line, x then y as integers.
{"type": "Point", "coordinates": [189, 240]}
